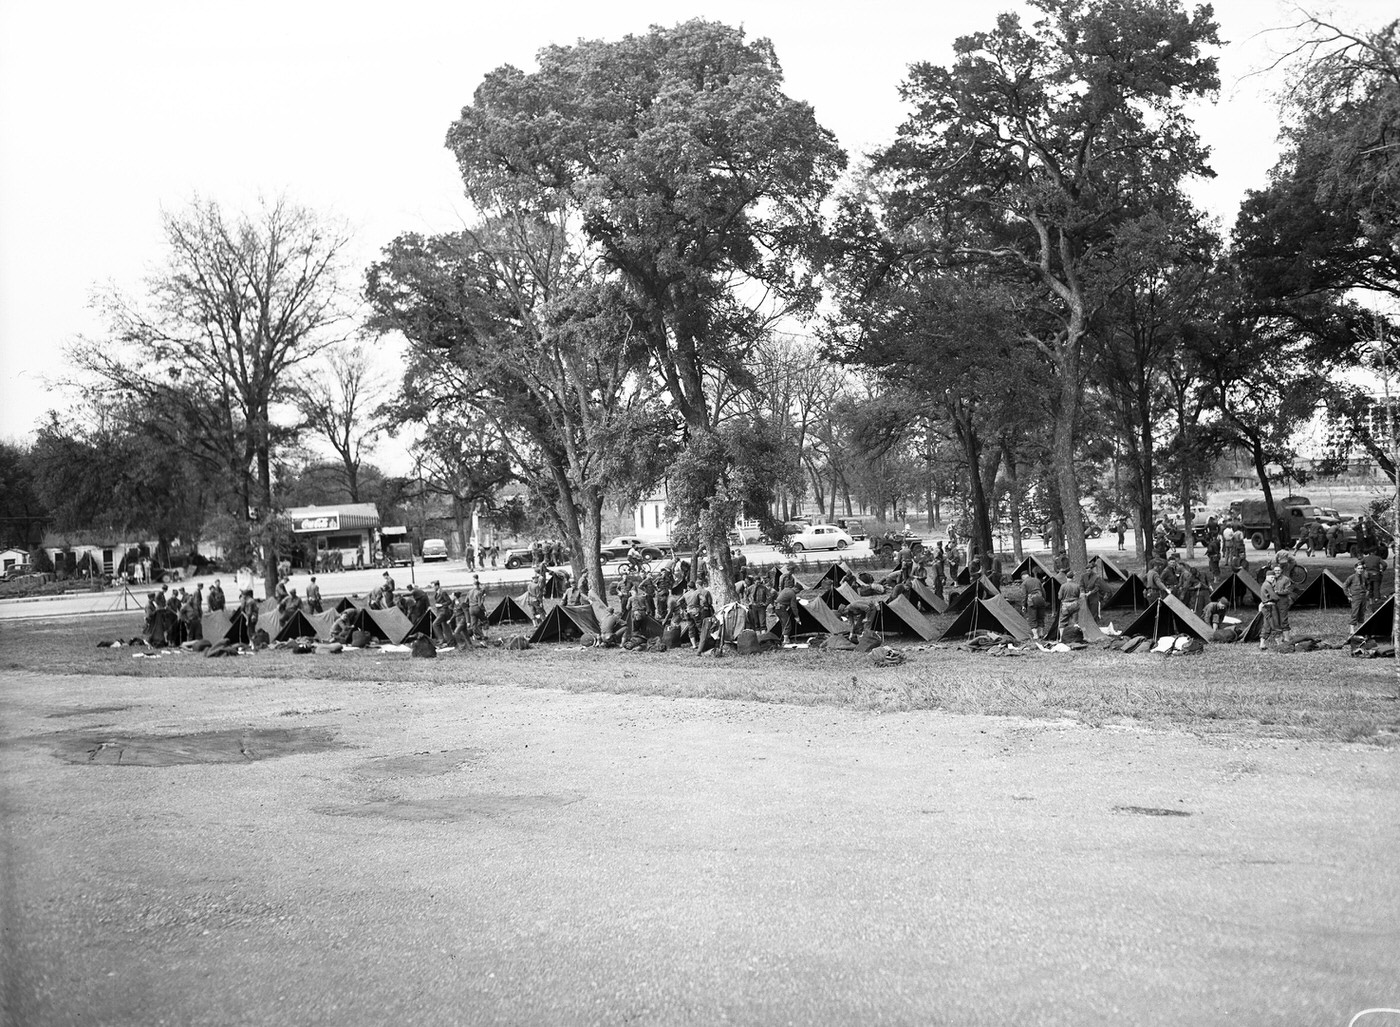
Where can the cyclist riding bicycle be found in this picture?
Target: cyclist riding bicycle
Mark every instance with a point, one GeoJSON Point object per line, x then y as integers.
{"type": "Point", "coordinates": [634, 558]}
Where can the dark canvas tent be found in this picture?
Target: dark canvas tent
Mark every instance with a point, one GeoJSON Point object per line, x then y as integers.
{"type": "Point", "coordinates": [1045, 568]}
{"type": "Point", "coordinates": [778, 573]}
{"type": "Point", "coordinates": [346, 603]}
{"type": "Point", "coordinates": [898, 616]}
{"type": "Point", "coordinates": [1238, 590]}
{"type": "Point", "coordinates": [323, 622]}
{"type": "Point", "coordinates": [508, 611]}
{"type": "Point", "coordinates": [390, 625]}
{"type": "Point", "coordinates": [1168, 616]}
{"type": "Point", "coordinates": [983, 589]}
{"type": "Point", "coordinates": [555, 585]}
{"type": "Point", "coordinates": [1324, 592]}
{"type": "Point", "coordinates": [1131, 595]}
{"type": "Point", "coordinates": [994, 614]}
{"type": "Point", "coordinates": [837, 573]}
{"type": "Point", "coordinates": [1254, 630]}
{"type": "Point", "coordinates": [926, 599]}
{"type": "Point", "coordinates": [816, 618]}
{"type": "Point", "coordinates": [1086, 622]}
{"type": "Point", "coordinates": [293, 625]}
{"type": "Point", "coordinates": [1380, 624]}
{"type": "Point", "coordinates": [422, 625]}
{"type": "Point", "coordinates": [1108, 570]}
{"type": "Point", "coordinates": [217, 624]}
{"type": "Point", "coordinates": [566, 624]}
{"type": "Point", "coordinates": [964, 576]}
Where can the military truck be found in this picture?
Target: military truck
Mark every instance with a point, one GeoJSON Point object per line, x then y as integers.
{"type": "Point", "coordinates": [1294, 513]}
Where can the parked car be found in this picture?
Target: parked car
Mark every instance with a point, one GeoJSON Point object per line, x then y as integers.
{"type": "Point", "coordinates": [819, 536]}
{"type": "Point", "coordinates": [853, 528]}
{"type": "Point", "coordinates": [515, 558]}
{"type": "Point", "coordinates": [434, 549]}
{"type": "Point", "coordinates": [1092, 530]}
{"type": "Point", "coordinates": [617, 548]}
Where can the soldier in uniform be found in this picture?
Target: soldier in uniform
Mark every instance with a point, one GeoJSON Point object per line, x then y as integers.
{"type": "Point", "coordinates": [1374, 567]}
{"type": "Point", "coordinates": [1213, 613]}
{"type": "Point", "coordinates": [1277, 597]}
{"type": "Point", "coordinates": [1358, 591]}
{"type": "Point", "coordinates": [1034, 604]}
{"type": "Point", "coordinates": [1069, 602]}
{"type": "Point", "coordinates": [249, 609]}
{"type": "Point", "coordinates": [1091, 590]}
{"type": "Point", "coordinates": [313, 596]}
{"type": "Point", "coordinates": [216, 596]}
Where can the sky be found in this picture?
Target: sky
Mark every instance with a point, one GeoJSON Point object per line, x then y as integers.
{"type": "Point", "coordinates": [113, 112]}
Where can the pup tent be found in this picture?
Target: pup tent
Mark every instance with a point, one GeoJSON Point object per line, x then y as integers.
{"type": "Point", "coordinates": [293, 625]}
{"type": "Point", "coordinates": [1239, 590]}
{"type": "Point", "coordinates": [983, 589]}
{"type": "Point", "coordinates": [508, 611]}
{"type": "Point", "coordinates": [1108, 570]}
{"type": "Point", "coordinates": [346, 603]}
{"type": "Point", "coordinates": [556, 583]}
{"type": "Point", "coordinates": [1380, 624]}
{"type": "Point", "coordinates": [1168, 616]}
{"type": "Point", "coordinates": [324, 623]}
{"type": "Point", "coordinates": [1132, 594]}
{"type": "Point", "coordinates": [223, 626]}
{"type": "Point", "coordinates": [1085, 619]}
{"type": "Point", "coordinates": [1324, 592]}
{"type": "Point", "coordinates": [925, 599]}
{"type": "Point", "coordinates": [567, 624]}
{"type": "Point", "coordinates": [898, 616]}
{"type": "Point", "coordinates": [994, 614]}
{"type": "Point", "coordinates": [1043, 567]}
{"type": "Point", "coordinates": [837, 573]}
{"type": "Point", "coordinates": [814, 617]}
{"type": "Point", "coordinates": [390, 626]}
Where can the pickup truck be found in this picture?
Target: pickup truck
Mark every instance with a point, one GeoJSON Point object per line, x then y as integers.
{"type": "Point", "coordinates": [619, 546]}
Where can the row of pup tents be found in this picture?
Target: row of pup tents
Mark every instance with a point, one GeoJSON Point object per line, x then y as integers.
{"type": "Point", "coordinates": [979, 607]}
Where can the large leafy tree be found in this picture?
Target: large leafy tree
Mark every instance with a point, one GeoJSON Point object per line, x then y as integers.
{"type": "Point", "coordinates": [697, 183]}
{"type": "Point", "coordinates": [241, 304]}
{"type": "Point", "coordinates": [23, 515]}
{"type": "Point", "coordinates": [1038, 145]}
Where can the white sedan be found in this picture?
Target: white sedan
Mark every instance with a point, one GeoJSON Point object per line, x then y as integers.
{"type": "Point", "coordinates": [819, 536]}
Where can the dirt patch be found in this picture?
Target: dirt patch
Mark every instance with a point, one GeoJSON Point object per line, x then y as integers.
{"type": "Point", "coordinates": [420, 764]}
{"type": "Point", "coordinates": [237, 745]}
{"type": "Point", "coordinates": [450, 809]}
{"type": "Point", "coordinates": [1151, 811]}
{"type": "Point", "coordinates": [83, 711]}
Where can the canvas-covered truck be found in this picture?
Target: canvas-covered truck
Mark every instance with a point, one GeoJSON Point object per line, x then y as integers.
{"type": "Point", "coordinates": [1294, 514]}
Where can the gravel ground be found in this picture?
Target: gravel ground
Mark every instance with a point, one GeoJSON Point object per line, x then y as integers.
{"type": "Point", "coordinates": [236, 851]}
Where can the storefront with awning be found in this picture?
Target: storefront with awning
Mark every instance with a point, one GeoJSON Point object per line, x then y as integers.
{"type": "Point", "coordinates": [341, 535]}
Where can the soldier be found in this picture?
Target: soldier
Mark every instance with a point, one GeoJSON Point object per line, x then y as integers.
{"type": "Point", "coordinates": [1358, 591]}
{"type": "Point", "coordinates": [289, 603]}
{"type": "Point", "coordinates": [313, 596]}
{"type": "Point", "coordinates": [280, 591]}
{"type": "Point", "coordinates": [1155, 588]}
{"type": "Point", "coordinates": [216, 596]}
{"type": "Point", "coordinates": [476, 609]}
{"type": "Point", "coordinates": [249, 608]}
{"type": "Point", "coordinates": [386, 591]}
{"type": "Point", "coordinates": [1092, 590]}
{"type": "Point", "coordinates": [940, 570]}
{"type": "Point", "coordinates": [418, 604]}
{"type": "Point", "coordinates": [1277, 597]}
{"type": "Point", "coordinates": [573, 595]}
{"type": "Point", "coordinates": [344, 625]}
{"type": "Point", "coordinates": [198, 597]}
{"type": "Point", "coordinates": [1069, 602]}
{"type": "Point", "coordinates": [1213, 550]}
{"type": "Point", "coordinates": [1034, 603]}
{"type": "Point", "coordinates": [1213, 613]}
{"type": "Point", "coordinates": [1374, 568]}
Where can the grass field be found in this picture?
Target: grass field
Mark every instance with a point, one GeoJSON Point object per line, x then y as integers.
{"type": "Point", "coordinates": [1325, 694]}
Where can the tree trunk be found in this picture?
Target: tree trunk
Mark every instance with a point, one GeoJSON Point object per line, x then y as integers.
{"type": "Point", "coordinates": [1066, 480]}
{"type": "Point", "coordinates": [714, 536]}
{"type": "Point", "coordinates": [264, 458]}
{"type": "Point", "coordinates": [587, 560]}
{"type": "Point", "coordinates": [1013, 502]}
{"type": "Point", "coordinates": [1256, 448]}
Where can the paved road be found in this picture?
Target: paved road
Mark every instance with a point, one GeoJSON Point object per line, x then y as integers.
{"type": "Point", "coordinates": [480, 854]}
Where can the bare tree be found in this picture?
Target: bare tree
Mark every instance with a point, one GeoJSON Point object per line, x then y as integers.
{"type": "Point", "coordinates": [338, 403]}
{"type": "Point", "coordinates": [240, 306]}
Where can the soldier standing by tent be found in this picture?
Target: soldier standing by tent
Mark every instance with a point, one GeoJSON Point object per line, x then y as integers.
{"type": "Point", "coordinates": [940, 570]}
{"type": "Point", "coordinates": [249, 608]}
{"type": "Point", "coordinates": [387, 590]}
{"type": "Point", "coordinates": [313, 596]}
{"type": "Point", "coordinates": [1194, 588]}
{"type": "Point", "coordinates": [1374, 567]}
{"type": "Point", "coordinates": [1091, 590]}
{"type": "Point", "coordinates": [216, 596]}
{"type": "Point", "coordinates": [1069, 603]}
{"type": "Point", "coordinates": [573, 595]}
{"type": "Point", "coordinates": [476, 609]}
{"type": "Point", "coordinates": [1034, 605]}
{"type": "Point", "coordinates": [1213, 550]}
{"type": "Point", "coordinates": [759, 599]}
{"type": "Point", "coordinates": [1277, 597]}
{"type": "Point", "coordinates": [1358, 591]}
{"type": "Point", "coordinates": [534, 599]}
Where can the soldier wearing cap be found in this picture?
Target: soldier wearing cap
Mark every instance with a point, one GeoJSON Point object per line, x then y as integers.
{"type": "Point", "coordinates": [313, 596]}
{"type": "Point", "coordinates": [1358, 591]}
